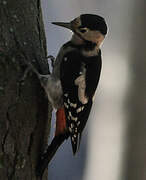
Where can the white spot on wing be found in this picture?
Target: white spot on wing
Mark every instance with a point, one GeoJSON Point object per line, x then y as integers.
{"type": "Point", "coordinates": [73, 140]}
{"type": "Point", "coordinates": [79, 109]}
{"type": "Point", "coordinates": [78, 123]}
{"type": "Point", "coordinates": [75, 135]}
{"type": "Point", "coordinates": [70, 114]}
{"type": "Point", "coordinates": [68, 101]}
{"type": "Point", "coordinates": [70, 129]}
{"type": "Point", "coordinates": [72, 117]}
{"type": "Point", "coordinates": [73, 105]}
{"type": "Point", "coordinates": [66, 95]}
{"type": "Point", "coordinates": [72, 125]}
{"type": "Point", "coordinates": [65, 58]}
{"type": "Point", "coordinates": [66, 105]}
{"type": "Point", "coordinates": [82, 108]}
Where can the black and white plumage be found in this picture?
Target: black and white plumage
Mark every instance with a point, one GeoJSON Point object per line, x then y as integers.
{"type": "Point", "coordinates": [77, 105]}
{"type": "Point", "coordinates": [74, 80]}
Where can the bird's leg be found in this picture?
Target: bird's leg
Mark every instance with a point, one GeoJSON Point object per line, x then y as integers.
{"type": "Point", "coordinates": [51, 85]}
{"type": "Point", "coordinates": [43, 78]}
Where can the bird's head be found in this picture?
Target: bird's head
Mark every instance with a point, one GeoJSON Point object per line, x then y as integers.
{"type": "Point", "coordinates": [87, 28]}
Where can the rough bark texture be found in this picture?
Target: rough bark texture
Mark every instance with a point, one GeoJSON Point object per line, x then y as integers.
{"type": "Point", "coordinates": [24, 124]}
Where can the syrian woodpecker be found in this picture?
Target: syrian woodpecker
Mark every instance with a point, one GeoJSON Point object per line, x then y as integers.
{"type": "Point", "coordinates": [73, 82]}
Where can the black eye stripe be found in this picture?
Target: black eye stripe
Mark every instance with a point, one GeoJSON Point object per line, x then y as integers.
{"type": "Point", "coordinates": [82, 30]}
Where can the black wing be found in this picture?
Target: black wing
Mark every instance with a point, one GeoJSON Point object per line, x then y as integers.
{"type": "Point", "coordinates": [76, 112]}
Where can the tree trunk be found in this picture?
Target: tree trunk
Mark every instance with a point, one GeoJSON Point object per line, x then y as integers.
{"type": "Point", "coordinates": [24, 116]}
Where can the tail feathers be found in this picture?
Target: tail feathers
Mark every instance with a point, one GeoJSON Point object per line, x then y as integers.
{"type": "Point", "coordinates": [49, 154]}
{"type": "Point", "coordinates": [60, 122]}
{"type": "Point", "coordinates": [75, 141]}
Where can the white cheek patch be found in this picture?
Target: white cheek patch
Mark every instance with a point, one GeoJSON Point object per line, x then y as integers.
{"type": "Point", "coordinates": [94, 36]}
{"type": "Point", "coordinates": [80, 82]}
{"type": "Point", "coordinates": [99, 39]}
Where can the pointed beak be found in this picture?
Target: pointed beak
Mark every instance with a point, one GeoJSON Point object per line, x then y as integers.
{"type": "Point", "coordinates": [63, 24]}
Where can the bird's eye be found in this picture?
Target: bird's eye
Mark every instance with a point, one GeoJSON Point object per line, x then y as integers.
{"type": "Point", "coordinates": [83, 30]}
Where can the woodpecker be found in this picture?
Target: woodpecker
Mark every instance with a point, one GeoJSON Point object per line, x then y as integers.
{"type": "Point", "coordinates": [73, 82]}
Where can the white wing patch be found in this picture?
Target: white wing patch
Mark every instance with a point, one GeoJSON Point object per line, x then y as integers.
{"type": "Point", "coordinates": [74, 105]}
{"type": "Point", "coordinates": [66, 105]}
{"type": "Point", "coordinates": [79, 109]}
{"type": "Point", "coordinates": [72, 117]}
{"type": "Point", "coordinates": [73, 110]}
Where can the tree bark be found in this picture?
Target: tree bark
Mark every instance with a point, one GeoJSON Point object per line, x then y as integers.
{"type": "Point", "coordinates": [24, 110]}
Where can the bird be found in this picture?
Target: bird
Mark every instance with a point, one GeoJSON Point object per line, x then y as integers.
{"type": "Point", "coordinates": [73, 82]}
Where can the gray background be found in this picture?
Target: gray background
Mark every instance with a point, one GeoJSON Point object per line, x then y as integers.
{"type": "Point", "coordinates": [114, 142]}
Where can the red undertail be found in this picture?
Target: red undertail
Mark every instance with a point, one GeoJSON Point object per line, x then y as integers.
{"type": "Point", "coordinates": [60, 122]}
